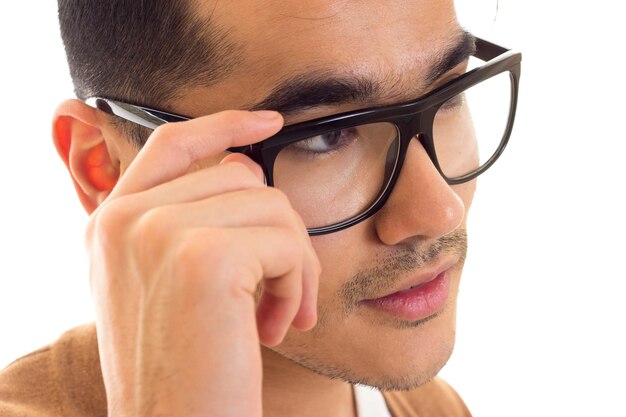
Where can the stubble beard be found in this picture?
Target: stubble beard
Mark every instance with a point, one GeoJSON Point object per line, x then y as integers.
{"type": "Point", "coordinates": [376, 280]}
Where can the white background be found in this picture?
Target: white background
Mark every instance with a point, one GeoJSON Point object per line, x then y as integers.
{"type": "Point", "coordinates": [542, 320]}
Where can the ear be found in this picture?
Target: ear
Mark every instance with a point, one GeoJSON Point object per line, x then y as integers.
{"type": "Point", "coordinates": [77, 132]}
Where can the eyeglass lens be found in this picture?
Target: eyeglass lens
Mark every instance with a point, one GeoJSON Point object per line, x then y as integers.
{"type": "Point", "coordinates": [334, 176]}
{"type": "Point", "coordinates": [468, 128]}
{"type": "Point", "coordinates": [339, 175]}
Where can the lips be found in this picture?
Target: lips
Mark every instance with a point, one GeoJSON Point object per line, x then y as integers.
{"type": "Point", "coordinates": [419, 298]}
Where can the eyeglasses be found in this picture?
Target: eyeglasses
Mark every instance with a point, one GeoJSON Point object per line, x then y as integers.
{"type": "Point", "coordinates": [339, 170]}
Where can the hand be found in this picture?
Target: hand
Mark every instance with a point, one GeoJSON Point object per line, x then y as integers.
{"type": "Point", "coordinates": [176, 259]}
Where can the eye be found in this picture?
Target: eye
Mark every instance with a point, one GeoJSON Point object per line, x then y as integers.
{"type": "Point", "coordinates": [326, 143]}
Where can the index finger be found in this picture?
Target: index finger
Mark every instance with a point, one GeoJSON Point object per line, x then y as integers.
{"type": "Point", "coordinates": [174, 147]}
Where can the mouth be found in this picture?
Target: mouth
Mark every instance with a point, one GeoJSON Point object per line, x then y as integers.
{"type": "Point", "coordinates": [417, 298]}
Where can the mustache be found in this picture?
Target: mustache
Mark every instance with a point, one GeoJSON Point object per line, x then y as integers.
{"type": "Point", "coordinates": [390, 270]}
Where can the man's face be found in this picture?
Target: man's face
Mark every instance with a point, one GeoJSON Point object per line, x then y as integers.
{"type": "Point", "coordinates": [418, 234]}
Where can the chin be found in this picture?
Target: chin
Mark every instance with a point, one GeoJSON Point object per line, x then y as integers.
{"type": "Point", "coordinates": [388, 354]}
{"type": "Point", "coordinates": [409, 355]}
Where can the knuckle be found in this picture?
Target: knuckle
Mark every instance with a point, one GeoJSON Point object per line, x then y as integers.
{"type": "Point", "coordinates": [167, 136]}
{"type": "Point", "coordinates": [109, 220]}
{"type": "Point", "coordinates": [299, 222]}
{"type": "Point", "coordinates": [292, 249]}
{"type": "Point", "coordinates": [277, 199]}
{"type": "Point", "coordinates": [105, 237]}
{"type": "Point", "coordinates": [194, 246]}
{"type": "Point", "coordinates": [151, 233]}
{"type": "Point", "coordinates": [288, 244]}
{"type": "Point", "coordinates": [200, 250]}
{"type": "Point", "coordinates": [154, 222]}
{"type": "Point", "coordinates": [163, 133]}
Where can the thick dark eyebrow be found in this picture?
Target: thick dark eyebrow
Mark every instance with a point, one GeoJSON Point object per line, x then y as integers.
{"type": "Point", "coordinates": [327, 88]}
{"type": "Point", "coordinates": [450, 58]}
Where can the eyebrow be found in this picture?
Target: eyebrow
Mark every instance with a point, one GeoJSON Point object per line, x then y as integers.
{"type": "Point", "coordinates": [327, 88]}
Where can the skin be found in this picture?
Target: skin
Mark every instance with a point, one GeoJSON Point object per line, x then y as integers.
{"type": "Point", "coordinates": [178, 248]}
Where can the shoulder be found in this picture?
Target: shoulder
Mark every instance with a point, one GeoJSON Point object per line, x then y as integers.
{"type": "Point", "coordinates": [63, 378]}
{"type": "Point", "coordinates": [434, 399]}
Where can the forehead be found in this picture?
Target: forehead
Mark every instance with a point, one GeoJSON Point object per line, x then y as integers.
{"type": "Point", "coordinates": [395, 39]}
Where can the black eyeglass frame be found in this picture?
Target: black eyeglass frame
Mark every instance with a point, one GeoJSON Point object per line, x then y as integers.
{"type": "Point", "coordinates": [412, 119]}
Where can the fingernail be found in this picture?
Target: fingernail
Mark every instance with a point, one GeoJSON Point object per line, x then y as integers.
{"type": "Point", "coordinates": [267, 114]}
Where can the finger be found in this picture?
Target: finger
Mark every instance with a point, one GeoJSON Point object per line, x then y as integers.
{"type": "Point", "coordinates": [199, 185]}
{"type": "Point", "coordinates": [279, 303]}
{"type": "Point", "coordinates": [174, 147]}
{"type": "Point", "coordinates": [271, 254]}
{"type": "Point", "coordinates": [260, 206]}
{"type": "Point", "coordinates": [275, 313]}
{"type": "Point", "coordinates": [233, 210]}
{"type": "Point", "coordinates": [306, 317]}
{"type": "Point", "coordinates": [245, 160]}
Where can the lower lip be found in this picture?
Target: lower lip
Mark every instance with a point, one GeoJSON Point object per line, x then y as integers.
{"type": "Point", "coordinates": [415, 303]}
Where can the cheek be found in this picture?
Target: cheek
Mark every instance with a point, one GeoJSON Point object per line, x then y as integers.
{"type": "Point", "coordinates": [338, 253]}
{"type": "Point", "coordinates": [341, 255]}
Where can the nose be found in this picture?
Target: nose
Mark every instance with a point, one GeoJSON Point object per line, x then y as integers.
{"type": "Point", "coordinates": [421, 205]}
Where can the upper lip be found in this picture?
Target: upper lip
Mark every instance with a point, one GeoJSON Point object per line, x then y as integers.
{"type": "Point", "coordinates": [425, 275]}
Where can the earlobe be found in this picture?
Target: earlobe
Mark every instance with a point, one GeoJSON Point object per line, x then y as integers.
{"type": "Point", "coordinates": [80, 142]}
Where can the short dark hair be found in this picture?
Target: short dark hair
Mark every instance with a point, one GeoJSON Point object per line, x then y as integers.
{"type": "Point", "coordinates": [143, 52]}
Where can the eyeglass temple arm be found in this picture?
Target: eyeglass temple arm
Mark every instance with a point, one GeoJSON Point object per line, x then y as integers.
{"type": "Point", "coordinates": [143, 116]}
{"type": "Point", "coordinates": [140, 115]}
{"type": "Point", "coordinates": [486, 50]}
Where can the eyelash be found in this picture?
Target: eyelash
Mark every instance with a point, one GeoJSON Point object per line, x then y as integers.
{"type": "Point", "coordinates": [320, 154]}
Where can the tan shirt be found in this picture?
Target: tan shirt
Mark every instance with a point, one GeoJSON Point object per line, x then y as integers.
{"type": "Point", "coordinates": [64, 379]}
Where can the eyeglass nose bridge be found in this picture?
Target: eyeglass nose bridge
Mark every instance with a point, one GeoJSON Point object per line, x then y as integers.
{"type": "Point", "coordinates": [418, 126]}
